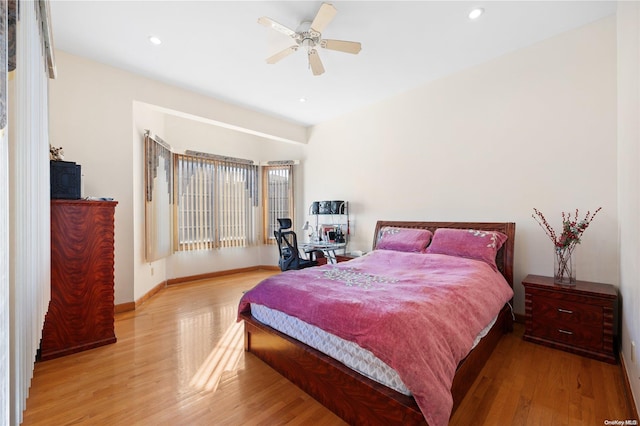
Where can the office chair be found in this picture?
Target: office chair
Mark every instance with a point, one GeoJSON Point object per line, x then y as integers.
{"type": "Point", "coordinates": [288, 247]}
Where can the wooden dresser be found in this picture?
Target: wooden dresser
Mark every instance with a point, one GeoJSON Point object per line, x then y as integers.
{"type": "Point", "coordinates": [578, 319]}
{"type": "Point", "coordinates": [81, 310]}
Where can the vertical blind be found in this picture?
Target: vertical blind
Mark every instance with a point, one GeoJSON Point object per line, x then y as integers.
{"type": "Point", "coordinates": [4, 226]}
{"type": "Point", "coordinates": [277, 195]}
{"type": "Point", "coordinates": [4, 281]}
{"type": "Point", "coordinates": [29, 204]}
{"type": "Point", "coordinates": [217, 202]}
{"type": "Point", "coordinates": [158, 198]}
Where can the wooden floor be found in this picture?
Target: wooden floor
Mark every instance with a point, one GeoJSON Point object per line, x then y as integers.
{"type": "Point", "coordinates": [179, 361]}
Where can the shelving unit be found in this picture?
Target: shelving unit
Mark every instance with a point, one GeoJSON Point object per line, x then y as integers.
{"type": "Point", "coordinates": [338, 213]}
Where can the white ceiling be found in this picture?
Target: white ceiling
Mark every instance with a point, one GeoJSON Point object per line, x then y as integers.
{"type": "Point", "coordinates": [218, 49]}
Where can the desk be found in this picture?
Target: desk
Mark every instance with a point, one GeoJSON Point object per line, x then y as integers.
{"type": "Point", "coordinates": [329, 249]}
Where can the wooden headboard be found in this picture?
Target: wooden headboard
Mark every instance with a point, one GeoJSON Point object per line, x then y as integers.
{"type": "Point", "coordinates": [504, 257]}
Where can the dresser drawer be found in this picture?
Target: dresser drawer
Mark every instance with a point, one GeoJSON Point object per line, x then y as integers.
{"type": "Point", "coordinates": [569, 333]}
{"type": "Point", "coordinates": [566, 312]}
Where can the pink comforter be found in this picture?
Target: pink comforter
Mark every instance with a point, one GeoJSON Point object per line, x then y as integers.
{"type": "Point", "coordinates": [419, 313]}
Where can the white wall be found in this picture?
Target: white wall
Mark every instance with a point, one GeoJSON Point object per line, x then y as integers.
{"type": "Point", "coordinates": [629, 184]}
{"type": "Point", "coordinates": [91, 119]}
{"type": "Point", "coordinates": [97, 116]}
{"type": "Point", "coordinates": [535, 128]}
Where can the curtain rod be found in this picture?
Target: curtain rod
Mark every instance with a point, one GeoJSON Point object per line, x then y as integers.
{"type": "Point", "coordinates": [44, 14]}
{"type": "Point", "coordinates": [218, 157]}
{"type": "Point", "coordinates": [280, 163]}
{"type": "Point", "coordinates": [158, 139]}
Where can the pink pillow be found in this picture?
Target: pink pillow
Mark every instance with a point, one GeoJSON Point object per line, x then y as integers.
{"type": "Point", "coordinates": [468, 243]}
{"type": "Point", "coordinates": [403, 239]}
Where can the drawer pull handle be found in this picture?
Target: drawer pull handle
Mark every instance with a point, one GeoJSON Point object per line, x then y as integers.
{"type": "Point", "coordinates": [564, 331]}
{"type": "Point", "coordinates": [565, 311]}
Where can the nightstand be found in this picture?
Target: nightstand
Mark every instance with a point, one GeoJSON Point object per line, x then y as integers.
{"type": "Point", "coordinates": [577, 319]}
{"type": "Point", "coordinates": [345, 257]}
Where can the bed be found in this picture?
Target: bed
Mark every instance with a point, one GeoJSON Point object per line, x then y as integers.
{"type": "Point", "coordinates": [351, 395]}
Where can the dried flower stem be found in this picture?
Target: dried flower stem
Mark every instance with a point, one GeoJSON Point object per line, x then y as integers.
{"type": "Point", "coordinates": [565, 243]}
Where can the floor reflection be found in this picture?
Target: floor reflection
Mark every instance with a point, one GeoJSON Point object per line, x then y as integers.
{"type": "Point", "coordinates": [223, 358]}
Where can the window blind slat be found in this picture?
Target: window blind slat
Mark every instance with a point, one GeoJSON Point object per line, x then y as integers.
{"type": "Point", "coordinates": [277, 198]}
{"type": "Point", "coordinates": [217, 205]}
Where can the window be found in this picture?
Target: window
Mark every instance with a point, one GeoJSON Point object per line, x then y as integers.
{"type": "Point", "coordinates": [216, 200]}
{"type": "Point", "coordinates": [277, 196]}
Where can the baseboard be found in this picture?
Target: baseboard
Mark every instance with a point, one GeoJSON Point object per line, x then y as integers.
{"type": "Point", "coordinates": [124, 307]}
{"type": "Point", "coordinates": [519, 318]}
{"type": "Point", "coordinates": [269, 268]}
{"type": "Point", "coordinates": [150, 294]}
{"type": "Point", "coordinates": [627, 386]}
{"type": "Point", "coordinates": [132, 306]}
{"type": "Point", "coordinates": [209, 275]}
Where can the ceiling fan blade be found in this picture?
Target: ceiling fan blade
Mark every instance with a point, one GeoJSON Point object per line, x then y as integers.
{"type": "Point", "coordinates": [268, 22]}
{"type": "Point", "coordinates": [325, 15]}
{"type": "Point", "coordinates": [282, 54]}
{"type": "Point", "coordinates": [342, 46]}
{"type": "Point", "coordinates": [315, 63]}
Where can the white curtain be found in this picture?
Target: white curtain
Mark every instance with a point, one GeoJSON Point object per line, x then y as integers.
{"type": "Point", "coordinates": [4, 281]}
{"type": "Point", "coordinates": [4, 226]}
{"type": "Point", "coordinates": [29, 217]}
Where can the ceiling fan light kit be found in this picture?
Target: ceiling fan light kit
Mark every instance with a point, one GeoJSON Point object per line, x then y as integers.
{"type": "Point", "coordinates": [309, 36]}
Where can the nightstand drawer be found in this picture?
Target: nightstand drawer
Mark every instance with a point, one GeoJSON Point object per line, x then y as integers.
{"type": "Point", "coordinates": [566, 312]}
{"type": "Point", "coordinates": [571, 334]}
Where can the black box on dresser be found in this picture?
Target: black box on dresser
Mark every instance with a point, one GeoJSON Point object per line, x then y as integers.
{"type": "Point", "coordinates": [65, 180]}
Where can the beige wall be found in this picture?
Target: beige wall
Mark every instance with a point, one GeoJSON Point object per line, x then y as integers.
{"type": "Point", "coordinates": [535, 128]}
{"type": "Point", "coordinates": [629, 184]}
{"type": "Point", "coordinates": [98, 114]}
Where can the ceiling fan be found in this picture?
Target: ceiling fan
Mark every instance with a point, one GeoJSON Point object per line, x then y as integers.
{"type": "Point", "coordinates": [309, 36]}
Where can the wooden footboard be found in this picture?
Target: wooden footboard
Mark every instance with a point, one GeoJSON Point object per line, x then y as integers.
{"type": "Point", "coordinates": [352, 396]}
{"type": "Point", "coordinates": [470, 367]}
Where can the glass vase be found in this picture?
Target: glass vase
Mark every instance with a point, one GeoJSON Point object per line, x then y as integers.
{"type": "Point", "coordinates": [564, 266]}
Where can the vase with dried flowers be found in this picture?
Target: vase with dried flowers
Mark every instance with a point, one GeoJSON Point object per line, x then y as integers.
{"type": "Point", "coordinates": [564, 244]}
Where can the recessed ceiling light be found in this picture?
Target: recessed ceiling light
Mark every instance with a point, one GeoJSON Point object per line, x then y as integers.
{"type": "Point", "coordinates": [155, 40]}
{"type": "Point", "coordinates": [476, 13]}
{"type": "Point", "coordinates": [302, 100]}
